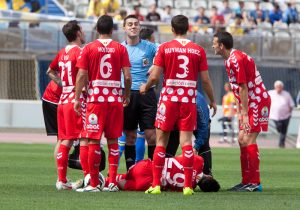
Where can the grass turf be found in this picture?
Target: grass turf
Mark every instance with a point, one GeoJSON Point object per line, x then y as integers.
{"type": "Point", "coordinates": [28, 175]}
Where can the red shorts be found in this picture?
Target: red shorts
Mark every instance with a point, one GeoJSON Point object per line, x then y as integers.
{"type": "Point", "coordinates": [170, 115]}
{"type": "Point", "coordinates": [104, 117]}
{"type": "Point", "coordinates": [69, 123]}
{"type": "Point", "coordinates": [139, 177]}
{"type": "Point", "coordinates": [258, 114]}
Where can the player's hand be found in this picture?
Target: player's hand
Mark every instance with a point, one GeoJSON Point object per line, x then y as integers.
{"type": "Point", "coordinates": [245, 124]}
{"type": "Point", "coordinates": [126, 101]}
{"type": "Point", "coordinates": [77, 107]}
{"type": "Point", "coordinates": [213, 106]}
{"type": "Point", "coordinates": [143, 89]}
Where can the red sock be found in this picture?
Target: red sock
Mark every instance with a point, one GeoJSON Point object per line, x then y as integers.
{"type": "Point", "coordinates": [62, 162]}
{"type": "Point", "coordinates": [113, 161]}
{"type": "Point", "coordinates": [94, 162]}
{"type": "Point", "coordinates": [187, 163]}
{"type": "Point", "coordinates": [84, 159]}
{"type": "Point", "coordinates": [158, 164]}
{"type": "Point", "coordinates": [253, 154]}
{"type": "Point", "coordinates": [244, 165]}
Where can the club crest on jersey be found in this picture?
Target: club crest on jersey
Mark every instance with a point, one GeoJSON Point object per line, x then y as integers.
{"type": "Point", "coordinates": [93, 119]}
{"type": "Point", "coordinates": [265, 111]}
{"type": "Point", "coordinates": [66, 57]}
{"type": "Point", "coordinates": [145, 62]}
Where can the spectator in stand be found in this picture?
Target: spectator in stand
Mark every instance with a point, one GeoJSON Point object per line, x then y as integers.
{"type": "Point", "coordinates": [136, 12]}
{"type": "Point", "coordinates": [258, 13]}
{"type": "Point", "coordinates": [216, 19]}
{"type": "Point", "coordinates": [121, 16]}
{"type": "Point", "coordinates": [3, 5]}
{"type": "Point", "coordinates": [236, 28]}
{"type": "Point", "coordinates": [281, 110]}
{"type": "Point", "coordinates": [153, 15]}
{"type": "Point", "coordinates": [167, 16]}
{"type": "Point", "coordinates": [226, 11]}
{"type": "Point", "coordinates": [94, 9]}
{"type": "Point", "coordinates": [275, 14]}
{"type": "Point", "coordinates": [201, 18]}
{"type": "Point", "coordinates": [290, 15]}
{"type": "Point", "coordinates": [110, 7]}
{"type": "Point", "coordinates": [241, 8]}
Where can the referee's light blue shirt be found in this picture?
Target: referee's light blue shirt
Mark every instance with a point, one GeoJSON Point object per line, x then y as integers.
{"type": "Point", "coordinates": [141, 58]}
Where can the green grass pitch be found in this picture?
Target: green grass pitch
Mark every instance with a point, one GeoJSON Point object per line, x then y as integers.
{"type": "Point", "coordinates": [28, 175]}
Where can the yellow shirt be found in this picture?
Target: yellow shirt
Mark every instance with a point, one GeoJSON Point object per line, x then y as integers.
{"type": "Point", "coordinates": [102, 7]}
{"type": "Point", "coordinates": [3, 5]}
{"type": "Point", "coordinates": [18, 4]}
{"type": "Point", "coordinates": [227, 105]}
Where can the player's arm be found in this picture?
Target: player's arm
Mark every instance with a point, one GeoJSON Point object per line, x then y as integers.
{"type": "Point", "coordinates": [152, 79]}
{"type": "Point", "coordinates": [54, 76]}
{"type": "Point", "coordinates": [127, 84]}
{"type": "Point", "coordinates": [243, 92]}
{"type": "Point", "coordinates": [207, 87]}
{"type": "Point", "coordinates": [81, 80]}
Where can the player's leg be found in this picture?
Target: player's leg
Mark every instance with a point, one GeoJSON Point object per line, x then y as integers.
{"type": "Point", "coordinates": [187, 160]}
{"type": "Point", "coordinates": [249, 144]}
{"type": "Point", "coordinates": [113, 160]}
{"type": "Point", "coordinates": [130, 153]}
{"type": "Point", "coordinates": [84, 154]}
{"type": "Point", "coordinates": [96, 113]}
{"type": "Point", "coordinates": [140, 146]}
{"type": "Point", "coordinates": [121, 143]}
{"type": "Point", "coordinates": [50, 120]}
{"type": "Point", "coordinates": [173, 144]}
{"type": "Point", "coordinates": [159, 155]}
{"type": "Point", "coordinates": [285, 124]}
{"type": "Point", "coordinates": [131, 116]}
{"type": "Point", "coordinates": [148, 109]}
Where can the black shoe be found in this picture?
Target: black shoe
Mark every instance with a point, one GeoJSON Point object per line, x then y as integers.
{"type": "Point", "coordinates": [251, 188]}
{"type": "Point", "coordinates": [237, 187]}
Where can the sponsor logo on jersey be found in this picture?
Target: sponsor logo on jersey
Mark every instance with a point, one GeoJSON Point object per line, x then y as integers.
{"type": "Point", "coordinates": [263, 119]}
{"type": "Point", "coordinates": [265, 111]}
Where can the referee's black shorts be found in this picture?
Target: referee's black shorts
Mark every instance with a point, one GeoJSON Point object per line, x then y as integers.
{"type": "Point", "coordinates": [50, 117]}
{"type": "Point", "coordinates": [140, 111]}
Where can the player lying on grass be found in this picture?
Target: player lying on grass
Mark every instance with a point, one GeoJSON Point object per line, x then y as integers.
{"type": "Point", "coordinates": [139, 177]}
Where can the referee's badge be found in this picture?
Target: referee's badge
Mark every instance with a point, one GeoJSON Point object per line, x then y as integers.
{"type": "Point", "coordinates": [145, 62]}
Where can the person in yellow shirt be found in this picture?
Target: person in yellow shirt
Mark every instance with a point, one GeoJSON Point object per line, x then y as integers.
{"type": "Point", "coordinates": [228, 106]}
{"type": "Point", "coordinates": [3, 5]}
{"type": "Point", "coordinates": [102, 7]}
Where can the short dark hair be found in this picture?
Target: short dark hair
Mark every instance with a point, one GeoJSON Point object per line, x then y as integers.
{"type": "Point", "coordinates": [70, 30]}
{"type": "Point", "coordinates": [129, 16]}
{"type": "Point", "coordinates": [146, 33]}
{"type": "Point", "coordinates": [180, 24]}
{"type": "Point", "coordinates": [209, 184]}
{"type": "Point", "coordinates": [225, 38]}
{"type": "Point", "coordinates": [105, 24]}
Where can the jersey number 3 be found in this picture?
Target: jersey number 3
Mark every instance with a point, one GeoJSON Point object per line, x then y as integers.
{"type": "Point", "coordinates": [183, 66]}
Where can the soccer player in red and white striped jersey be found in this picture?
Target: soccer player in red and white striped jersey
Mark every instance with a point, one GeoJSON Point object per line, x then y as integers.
{"type": "Point", "coordinates": [253, 107]}
{"type": "Point", "coordinates": [63, 71]}
{"type": "Point", "coordinates": [101, 63]}
{"type": "Point", "coordinates": [181, 61]}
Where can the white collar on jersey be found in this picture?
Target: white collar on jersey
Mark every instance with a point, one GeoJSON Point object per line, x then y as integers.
{"type": "Point", "coordinates": [183, 41]}
{"type": "Point", "coordinates": [105, 42]}
{"type": "Point", "coordinates": [69, 47]}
